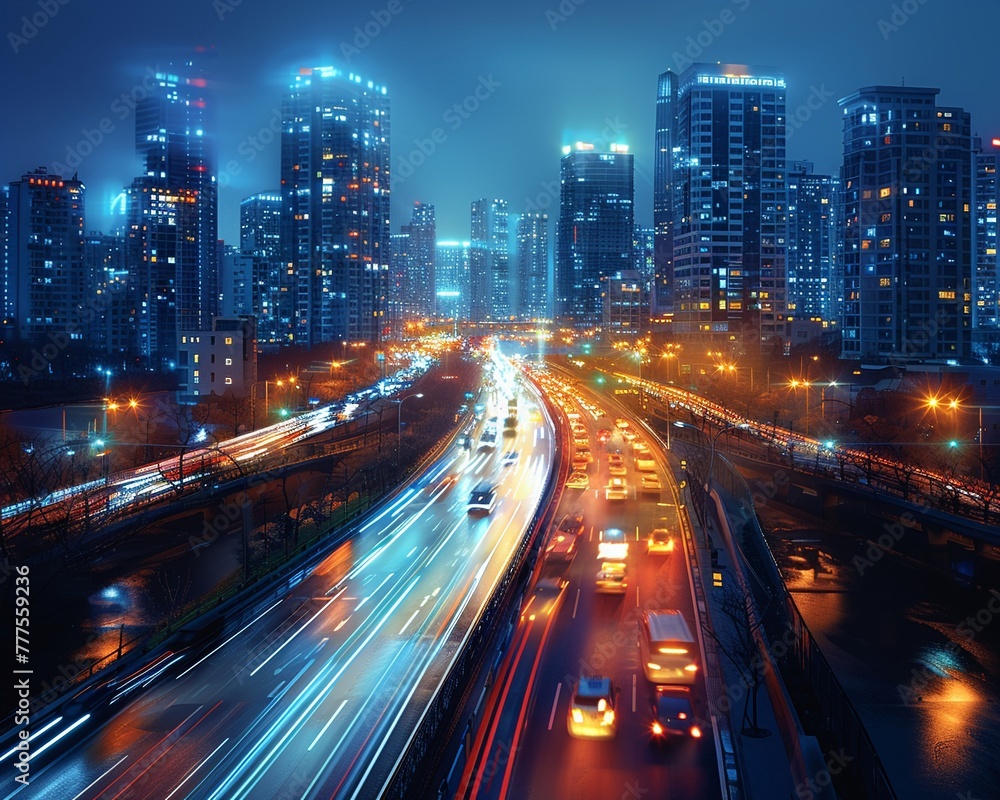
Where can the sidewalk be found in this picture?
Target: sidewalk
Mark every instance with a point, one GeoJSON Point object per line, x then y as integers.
{"type": "Point", "coordinates": [763, 765]}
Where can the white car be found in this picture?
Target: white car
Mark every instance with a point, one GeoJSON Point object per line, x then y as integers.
{"type": "Point", "coordinates": [578, 480]}
{"type": "Point", "coordinates": [612, 578]}
{"type": "Point", "coordinates": [650, 484]}
{"type": "Point", "coordinates": [616, 489]}
{"type": "Point", "coordinates": [510, 458]}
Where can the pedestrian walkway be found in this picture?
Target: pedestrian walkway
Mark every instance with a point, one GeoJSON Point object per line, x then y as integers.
{"type": "Point", "coordinates": [765, 771]}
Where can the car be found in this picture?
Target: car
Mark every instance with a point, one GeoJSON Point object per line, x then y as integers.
{"type": "Point", "coordinates": [592, 708]}
{"type": "Point", "coordinates": [673, 714]}
{"type": "Point", "coordinates": [644, 463]}
{"type": "Point", "coordinates": [580, 463]}
{"type": "Point", "coordinates": [621, 424]}
{"type": "Point", "coordinates": [561, 548]}
{"type": "Point", "coordinates": [612, 544]}
{"type": "Point", "coordinates": [571, 523]}
{"type": "Point", "coordinates": [650, 484]}
{"type": "Point", "coordinates": [616, 464]}
{"type": "Point", "coordinates": [639, 446]}
{"type": "Point", "coordinates": [628, 436]}
{"type": "Point", "coordinates": [510, 458]}
{"type": "Point", "coordinates": [582, 442]}
{"type": "Point", "coordinates": [612, 578]}
{"type": "Point", "coordinates": [482, 499]}
{"type": "Point", "coordinates": [660, 540]}
{"type": "Point", "coordinates": [616, 489]}
{"type": "Point", "coordinates": [578, 480]}
{"type": "Point", "coordinates": [583, 453]}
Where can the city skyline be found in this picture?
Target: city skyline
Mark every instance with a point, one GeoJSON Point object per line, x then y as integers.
{"type": "Point", "coordinates": [522, 111]}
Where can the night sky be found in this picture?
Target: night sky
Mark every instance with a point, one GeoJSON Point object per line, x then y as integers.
{"type": "Point", "coordinates": [550, 73]}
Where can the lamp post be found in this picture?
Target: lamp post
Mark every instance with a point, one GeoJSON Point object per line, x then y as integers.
{"type": "Point", "coordinates": [399, 420]}
{"type": "Point", "coordinates": [711, 459]}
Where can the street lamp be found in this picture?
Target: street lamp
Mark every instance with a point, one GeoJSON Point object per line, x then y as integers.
{"type": "Point", "coordinates": [399, 419]}
{"type": "Point", "coordinates": [711, 459]}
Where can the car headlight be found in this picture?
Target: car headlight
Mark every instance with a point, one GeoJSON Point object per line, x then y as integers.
{"type": "Point", "coordinates": [609, 717]}
{"type": "Point", "coordinates": [577, 716]}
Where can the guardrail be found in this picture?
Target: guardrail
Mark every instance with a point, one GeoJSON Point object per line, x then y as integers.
{"type": "Point", "coordinates": [416, 767]}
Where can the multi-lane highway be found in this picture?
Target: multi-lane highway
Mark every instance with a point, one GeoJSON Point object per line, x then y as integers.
{"type": "Point", "coordinates": [313, 693]}
{"type": "Point", "coordinates": [567, 629]}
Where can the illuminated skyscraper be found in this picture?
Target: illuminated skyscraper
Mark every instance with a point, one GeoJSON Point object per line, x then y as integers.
{"type": "Point", "coordinates": [172, 212]}
{"type": "Point", "coordinates": [490, 261]}
{"type": "Point", "coordinates": [533, 266]}
{"type": "Point", "coordinates": [987, 195]}
{"type": "Point", "coordinates": [260, 241]}
{"type": "Point", "coordinates": [908, 192]}
{"type": "Point", "coordinates": [811, 243]}
{"type": "Point", "coordinates": [45, 287]}
{"type": "Point", "coordinates": [596, 226]}
{"type": "Point", "coordinates": [663, 194]}
{"type": "Point", "coordinates": [452, 280]}
{"type": "Point", "coordinates": [335, 196]}
{"type": "Point", "coordinates": [726, 205]}
{"type": "Point", "coordinates": [416, 292]}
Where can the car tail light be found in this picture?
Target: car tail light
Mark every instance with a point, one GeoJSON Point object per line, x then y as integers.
{"type": "Point", "coordinates": [670, 545]}
{"type": "Point", "coordinates": [695, 732]}
{"type": "Point", "coordinates": [657, 728]}
{"type": "Point", "coordinates": [602, 704]}
{"type": "Point", "coordinates": [651, 665]}
{"type": "Point", "coordinates": [577, 716]}
{"type": "Point", "coordinates": [682, 715]}
{"type": "Point", "coordinates": [691, 668]}
{"type": "Point", "coordinates": [609, 717]}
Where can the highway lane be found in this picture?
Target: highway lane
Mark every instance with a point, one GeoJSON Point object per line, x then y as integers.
{"type": "Point", "coordinates": [312, 694]}
{"type": "Point", "coordinates": [530, 753]}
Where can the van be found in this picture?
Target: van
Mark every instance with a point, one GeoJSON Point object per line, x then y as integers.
{"type": "Point", "coordinates": [668, 651]}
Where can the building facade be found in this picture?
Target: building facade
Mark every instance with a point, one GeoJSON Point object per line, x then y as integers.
{"type": "Point", "coordinates": [490, 261]}
{"type": "Point", "coordinates": [908, 225]}
{"type": "Point", "coordinates": [595, 229]}
{"type": "Point", "coordinates": [532, 273]}
{"type": "Point", "coordinates": [416, 292]}
{"type": "Point", "coordinates": [45, 288]}
{"type": "Point", "coordinates": [335, 206]}
{"type": "Point", "coordinates": [663, 194]}
{"type": "Point", "coordinates": [811, 243]}
{"type": "Point", "coordinates": [453, 266]}
{"type": "Point", "coordinates": [260, 241]}
{"type": "Point", "coordinates": [987, 195]}
{"type": "Point", "coordinates": [172, 212]}
{"type": "Point", "coordinates": [220, 361]}
{"type": "Point", "coordinates": [727, 205]}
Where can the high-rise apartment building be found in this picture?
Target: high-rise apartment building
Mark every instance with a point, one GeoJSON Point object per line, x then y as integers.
{"type": "Point", "coordinates": [811, 243]}
{"type": "Point", "coordinates": [596, 225]}
{"type": "Point", "coordinates": [45, 288]}
{"type": "Point", "coordinates": [335, 206]}
{"type": "Point", "coordinates": [663, 194]}
{"type": "Point", "coordinates": [260, 242]}
{"type": "Point", "coordinates": [723, 202]}
{"type": "Point", "coordinates": [532, 273]}
{"type": "Point", "coordinates": [985, 312]}
{"type": "Point", "coordinates": [908, 195]}
{"type": "Point", "coordinates": [452, 264]}
{"type": "Point", "coordinates": [416, 293]}
{"type": "Point", "coordinates": [172, 212]}
{"type": "Point", "coordinates": [490, 261]}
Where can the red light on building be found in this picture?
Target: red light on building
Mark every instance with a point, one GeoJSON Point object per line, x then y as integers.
{"type": "Point", "coordinates": [996, 141]}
